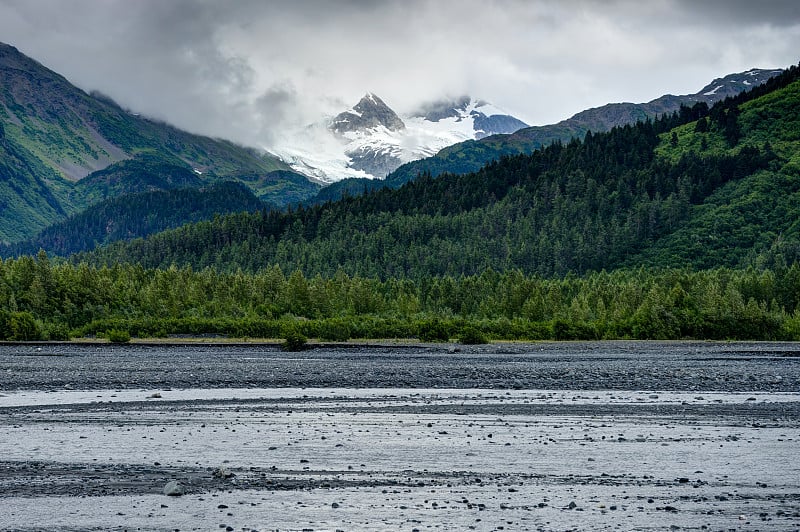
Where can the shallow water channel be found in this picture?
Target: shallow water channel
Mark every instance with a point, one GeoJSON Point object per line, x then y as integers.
{"type": "Point", "coordinates": [565, 436]}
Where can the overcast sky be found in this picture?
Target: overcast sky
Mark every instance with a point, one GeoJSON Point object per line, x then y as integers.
{"type": "Point", "coordinates": [246, 69]}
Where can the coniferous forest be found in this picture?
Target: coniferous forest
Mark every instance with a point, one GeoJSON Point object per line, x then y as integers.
{"type": "Point", "coordinates": [686, 226]}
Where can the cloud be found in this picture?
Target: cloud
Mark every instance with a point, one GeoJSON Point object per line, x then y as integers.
{"type": "Point", "coordinates": [249, 70]}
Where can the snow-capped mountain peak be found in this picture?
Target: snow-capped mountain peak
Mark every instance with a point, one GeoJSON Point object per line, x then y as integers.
{"type": "Point", "coordinates": [369, 112]}
{"type": "Point", "coordinates": [371, 140]}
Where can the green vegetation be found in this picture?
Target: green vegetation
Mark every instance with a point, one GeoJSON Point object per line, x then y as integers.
{"type": "Point", "coordinates": [717, 194]}
{"type": "Point", "coordinates": [687, 226]}
{"type": "Point", "coordinates": [677, 303]}
{"type": "Point", "coordinates": [471, 335]}
{"type": "Point", "coordinates": [295, 340]}
{"type": "Point", "coordinates": [116, 336]}
{"type": "Point", "coordinates": [19, 326]}
{"type": "Point", "coordinates": [137, 215]}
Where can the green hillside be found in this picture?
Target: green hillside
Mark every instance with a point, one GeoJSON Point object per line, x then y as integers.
{"type": "Point", "coordinates": [472, 155]}
{"type": "Point", "coordinates": [137, 215]}
{"type": "Point", "coordinates": [31, 194]}
{"type": "Point", "coordinates": [56, 137]}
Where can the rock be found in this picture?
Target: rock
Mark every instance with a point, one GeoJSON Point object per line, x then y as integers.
{"type": "Point", "coordinates": [221, 472]}
{"type": "Point", "coordinates": [173, 488]}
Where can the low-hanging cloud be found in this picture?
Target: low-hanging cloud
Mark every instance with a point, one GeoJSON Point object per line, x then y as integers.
{"type": "Point", "coordinates": [250, 70]}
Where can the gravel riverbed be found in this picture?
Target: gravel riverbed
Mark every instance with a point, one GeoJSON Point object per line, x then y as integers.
{"type": "Point", "coordinates": [561, 436]}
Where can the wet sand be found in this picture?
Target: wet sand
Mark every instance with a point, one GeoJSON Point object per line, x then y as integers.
{"type": "Point", "coordinates": [575, 436]}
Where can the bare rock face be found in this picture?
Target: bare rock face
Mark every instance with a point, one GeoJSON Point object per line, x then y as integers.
{"type": "Point", "coordinates": [368, 113]}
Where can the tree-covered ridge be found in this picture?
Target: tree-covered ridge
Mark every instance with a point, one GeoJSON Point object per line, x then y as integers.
{"type": "Point", "coordinates": [755, 219]}
{"type": "Point", "coordinates": [40, 299]}
{"type": "Point", "coordinates": [584, 206]}
{"type": "Point", "coordinates": [137, 215]}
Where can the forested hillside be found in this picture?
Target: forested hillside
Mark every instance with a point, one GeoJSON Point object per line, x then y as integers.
{"type": "Point", "coordinates": [137, 215]}
{"type": "Point", "coordinates": [622, 198]}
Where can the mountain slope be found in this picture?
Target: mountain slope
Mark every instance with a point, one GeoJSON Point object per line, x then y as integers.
{"type": "Point", "coordinates": [30, 192]}
{"type": "Point", "coordinates": [760, 212]}
{"type": "Point", "coordinates": [586, 205]}
{"type": "Point", "coordinates": [57, 135]}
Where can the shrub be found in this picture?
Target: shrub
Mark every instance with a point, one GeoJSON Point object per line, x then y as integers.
{"type": "Point", "coordinates": [57, 332]}
{"type": "Point", "coordinates": [334, 330]}
{"type": "Point", "coordinates": [434, 330]}
{"type": "Point", "coordinates": [23, 327]}
{"type": "Point", "coordinates": [295, 340]}
{"type": "Point", "coordinates": [116, 336]}
{"type": "Point", "coordinates": [472, 336]}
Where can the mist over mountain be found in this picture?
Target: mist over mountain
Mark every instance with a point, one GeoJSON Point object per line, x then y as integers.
{"type": "Point", "coordinates": [699, 188]}
{"type": "Point", "coordinates": [370, 140]}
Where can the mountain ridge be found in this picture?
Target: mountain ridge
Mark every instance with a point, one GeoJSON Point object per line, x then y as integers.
{"type": "Point", "coordinates": [471, 155]}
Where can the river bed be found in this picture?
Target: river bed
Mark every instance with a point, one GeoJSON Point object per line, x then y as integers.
{"type": "Point", "coordinates": [563, 436]}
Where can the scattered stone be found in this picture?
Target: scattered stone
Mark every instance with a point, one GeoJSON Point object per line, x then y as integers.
{"type": "Point", "coordinates": [223, 473]}
{"type": "Point", "coordinates": [173, 488]}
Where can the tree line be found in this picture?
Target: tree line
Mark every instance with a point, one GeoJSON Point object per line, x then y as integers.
{"type": "Point", "coordinates": [42, 299]}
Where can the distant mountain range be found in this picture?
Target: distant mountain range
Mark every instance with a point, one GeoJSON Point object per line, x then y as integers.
{"type": "Point", "coordinates": [63, 151]}
{"type": "Point", "coordinates": [370, 140]}
{"type": "Point", "coordinates": [471, 155]}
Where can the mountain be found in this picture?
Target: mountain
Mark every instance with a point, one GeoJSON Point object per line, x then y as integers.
{"type": "Point", "coordinates": [370, 140]}
{"type": "Point", "coordinates": [465, 109]}
{"type": "Point", "coordinates": [62, 149]}
{"type": "Point", "coordinates": [700, 188]}
{"type": "Point", "coordinates": [470, 156]}
{"type": "Point", "coordinates": [371, 112]}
